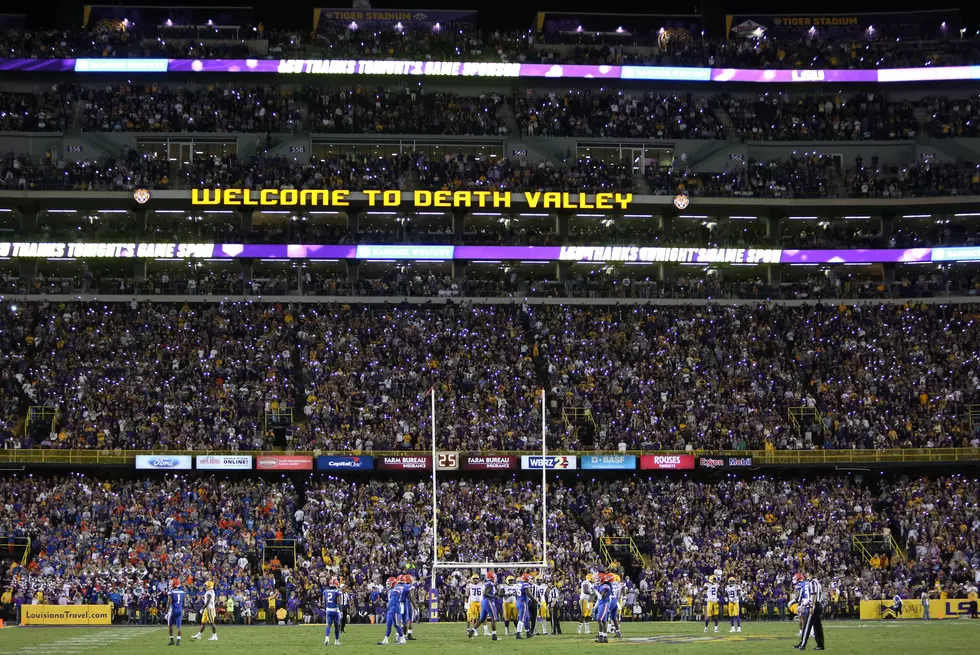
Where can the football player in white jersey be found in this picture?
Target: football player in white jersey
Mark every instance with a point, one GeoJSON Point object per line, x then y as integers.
{"type": "Point", "coordinates": [475, 595]}
{"type": "Point", "coordinates": [207, 614]}
{"type": "Point", "coordinates": [541, 595]}
{"type": "Point", "coordinates": [711, 609]}
{"type": "Point", "coordinates": [615, 608]}
{"type": "Point", "coordinates": [585, 598]}
{"type": "Point", "coordinates": [733, 594]}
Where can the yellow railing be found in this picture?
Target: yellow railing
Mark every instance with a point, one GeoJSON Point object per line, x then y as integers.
{"type": "Point", "coordinates": [607, 543]}
{"type": "Point", "coordinates": [862, 541]}
{"type": "Point", "coordinates": [760, 457]}
{"type": "Point", "coordinates": [572, 415]}
{"type": "Point", "coordinates": [803, 417]}
{"type": "Point", "coordinates": [973, 413]}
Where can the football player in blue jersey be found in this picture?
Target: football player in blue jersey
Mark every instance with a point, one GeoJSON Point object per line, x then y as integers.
{"type": "Point", "coordinates": [175, 610]}
{"type": "Point", "coordinates": [332, 610]}
{"type": "Point", "coordinates": [407, 583]}
{"type": "Point", "coordinates": [523, 593]}
{"type": "Point", "coordinates": [393, 617]}
{"type": "Point", "coordinates": [488, 607]}
{"type": "Point", "coordinates": [601, 613]}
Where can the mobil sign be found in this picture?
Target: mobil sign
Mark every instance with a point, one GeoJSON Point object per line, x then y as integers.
{"type": "Point", "coordinates": [551, 462]}
{"type": "Point", "coordinates": [666, 462]}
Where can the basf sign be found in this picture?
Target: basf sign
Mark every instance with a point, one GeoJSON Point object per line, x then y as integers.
{"type": "Point", "coordinates": [554, 462]}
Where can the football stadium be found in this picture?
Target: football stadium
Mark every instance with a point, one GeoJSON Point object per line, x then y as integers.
{"type": "Point", "coordinates": [441, 328]}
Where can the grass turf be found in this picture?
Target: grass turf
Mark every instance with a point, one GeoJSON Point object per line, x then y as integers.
{"type": "Point", "coordinates": [846, 637]}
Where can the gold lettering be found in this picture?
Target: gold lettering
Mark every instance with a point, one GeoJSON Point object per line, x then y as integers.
{"type": "Point", "coordinates": [463, 199]}
{"type": "Point", "coordinates": [314, 197]}
{"type": "Point", "coordinates": [269, 197]}
{"type": "Point", "coordinates": [481, 198]}
{"type": "Point", "coordinates": [603, 201]}
{"type": "Point", "coordinates": [624, 200]}
{"type": "Point", "coordinates": [340, 198]}
{"type": "Point", "coordinates": [501, 199]}
{"type": "Point", "coordinates": [247, 193]}
{"type": "Point", "coordinates": [443, 199]}
{"type": "Point", "coordinates": [553, 200]}
{"type": "Point", "coordinates": [566, 201]}
{"type": "Point", "coordinates": [423, 198]}
{"type": "Point", "coordinates": [533, 197]}
{"type": "Point", "coordinates": [288, 197]}
{"type": "Point", "coordinates": [205, 197]}
{"type": "Point", "coordinates": [233, 196]}
{"type": "Point", "coordinates": [392, 198]}
{"type": "Point", "coordinates": [372, 197]}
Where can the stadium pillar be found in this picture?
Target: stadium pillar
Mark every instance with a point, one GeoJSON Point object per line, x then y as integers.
{"type": "Point", "coordinates": [775, 275]}
{"type": "Point", "coordinates": [561, 229]}
{"type": "Point", "coordinates": [139, 217]}
{"type": "Point", "coordinates": [353, 270]}
{"type": "Point", "coordinates": [28, 271]}
{"type": "Point", "coordinates": [353, 224]}
{"type": "Point", "coordinates": [246, 222]}
{"type": "Point", "coordinates": [887, 229]}
{"type": "Point", "coordinates": [139, 269]}
{"type": "Point", "coordinates": [459, 270]}
{"type": "Point", "coordinates": [246, 274]}
{"type": "Point", "coordinates": [666, 227]}
{"type": "Point", "coordinates": [562, 271]}
{"type": "Point", "coordinates": [772, 229]}
{"type": "Point", "coordinates": [28, 221]}
{"type": "Point", "coordinates": [888, 272]}
{"type": "Point", "coordinates": [458, 230]}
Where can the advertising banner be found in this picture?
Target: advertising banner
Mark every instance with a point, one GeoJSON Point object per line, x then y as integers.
{"type": "Point", "coordinates": [491, 69]}
{"type": "Point", "coordinates": [224, 463]}
{"type": "Point", "coordinates": [554, 462]}
{"type": "Point", "coordinates": [873, 610]}
{"type": "Point", "coordinates": [405, 463]}
{"type": "Point", "coordinates": [608, 462]}
{"type": "Point", "coordinates": [66, 614]}
{"type": "Point", "coordinates": [861, 27]}
{"type": "Point", "coordinates": [724, 462]}
{"type": "Point", "coordinates": [164, 462]}
{"type": "Point", "coordinates": [666, 462]}
{"type": "Point", "coordinates": [327, 19]}
{"type": "Point", "coordinates": [447, 461]}
{"type": "Point", "coordinates": [284, 463]}
{"type": "Point", "coordinates": [341, 463]}
{"type": "Point", "coordinates": [490, 462]}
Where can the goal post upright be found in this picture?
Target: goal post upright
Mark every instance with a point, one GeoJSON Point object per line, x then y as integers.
{"type": "Point", "coordinates": [544, 482]}
{"type": "Point", "coordinates": [435, 511]}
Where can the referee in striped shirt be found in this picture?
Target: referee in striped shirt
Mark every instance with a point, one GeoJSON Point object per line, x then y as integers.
{"type": "Point", "coordinates": [813, 597]}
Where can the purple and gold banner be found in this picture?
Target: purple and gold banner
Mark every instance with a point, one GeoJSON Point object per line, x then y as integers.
{"type": "Point", "coordinates": [489, 69]}
{"type": "Point", "coordinates": [592, 254]}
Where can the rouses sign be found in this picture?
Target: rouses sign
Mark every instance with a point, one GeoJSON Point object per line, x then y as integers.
{"type": "Point", "coordinates": [349, 463]}
{"type": "Point", "coordinates": [447, 461]}
{"type": "Point", "coordinates": [661, 462]}
{"type": "Point", "coordinates": [284, 463]}
{"type": "Point", "coordinates": [224, 462]}
{"type": "Point", "coordinates": [608, 462]}
{"type": "Point", "coordinates": [405, 463]}
{"type": "Point", "coordinates": [556, 462]}
{"type": "Point", "coordinates": [724, 462]}
{"type": "Point", "coordinates": [490, 462]}
{"type": "Point", "coordinates": [164, 462]}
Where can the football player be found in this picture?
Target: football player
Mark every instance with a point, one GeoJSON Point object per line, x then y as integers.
{"type": "Point", "coordinates": [586, 594]}
{"type": "Point", "coordinates": [207, 614]}
{"type": "Point", "coordinates": [711, 602]}
{"type": "Point", "coordinates": [509, 593]}
{"type": "Point", "coordinates": [733, 593]}
{"type": "Point", "coordinates": [175, 610]}
{"type": "Point", "coordinates": [393, 617]}
{"type": "Point", "coordinates": [332, 605]}
{"type": "Point", "coordinates": [488, 607]}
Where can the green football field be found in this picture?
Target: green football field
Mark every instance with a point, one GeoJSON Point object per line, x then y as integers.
{"type": "Point", "coordinates": [851, 637]}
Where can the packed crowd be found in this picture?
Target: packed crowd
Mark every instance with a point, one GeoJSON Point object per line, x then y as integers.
{"type": "Point", "coordinates": [625, 115]}
{"type": "Point", "coordinates": [404, 110]}
{"type": "Point", "coordinates": [142, 376]}
{"type": "Point", "coordinates": [759, 529]}
{"type": "Point", "coordinates": [152, 108]}
{"type": "Point", "coordinates": [355, 377]}
{"type": "Point", "coordinates": [96, 540]}
{"type": "Point", "coordinates": [816, 176]}
{"type": "Point", "coordinates": [75, 43]}
{"type": "Point", "coordinates": [411, 109]}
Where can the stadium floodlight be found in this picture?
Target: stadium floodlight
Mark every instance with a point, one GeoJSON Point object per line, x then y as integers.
{"type": "Point", "coordinates": [540, 564]}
